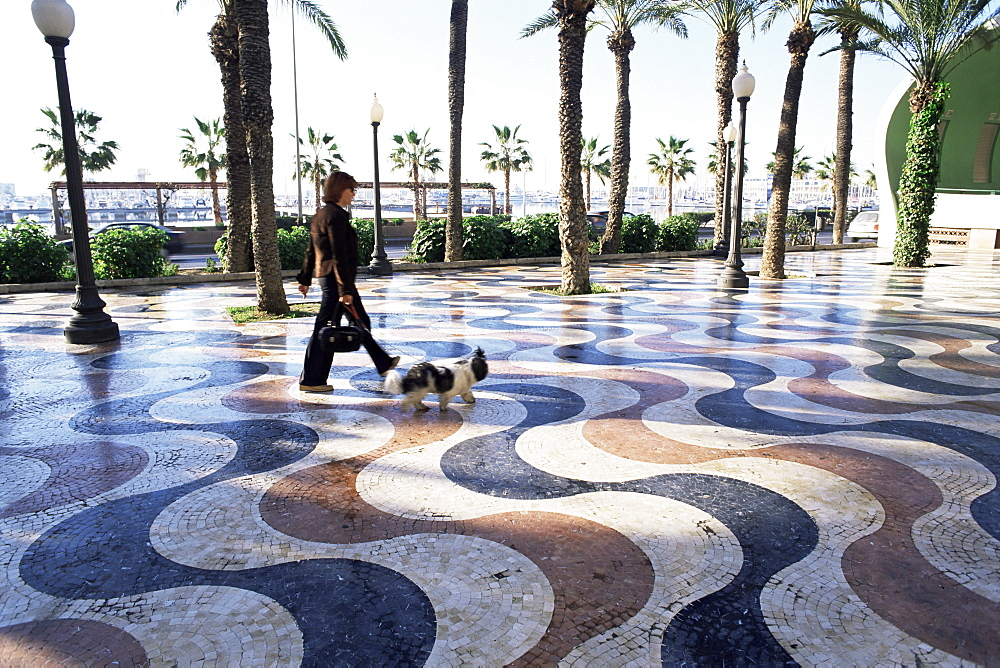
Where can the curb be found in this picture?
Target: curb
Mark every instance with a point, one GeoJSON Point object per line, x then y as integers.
{"type": "Point", "coordinates": [188, 279]}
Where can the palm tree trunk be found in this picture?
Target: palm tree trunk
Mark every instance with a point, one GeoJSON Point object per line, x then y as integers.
{"type": "Point", "coordinates": [727, 54]}
{"type": "Point", "coordinates": [224, 39]}
{"type": "Point", "coordinates": [918, 180]}
{"type": "Point", "coordinates": [417, 212]}
{"type": "Point", "coordinates": [318, 183]}
{"type": "Point", "coordinates": [621, 45]}
{"type": "Point", "coordinates": [772, 264]}
{"type": "Point", "coordinates": [573, 233]}
{"type": "Point", "coordinates": [213, 177]}
{"type": "Point", "coordinates": [258, 117]}
{"type": "Point", "coordinates": [845, 137]}
{"type": "Point", "coordinates": [670, 192]}
{"type": "Point", "coordinates": [458, 27]}
{"type": "Point", "coordinates": [506, 191]}
{"type": "Point", "coordinates": [587, 179]}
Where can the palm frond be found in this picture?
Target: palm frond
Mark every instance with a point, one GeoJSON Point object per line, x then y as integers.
{"type": "Point", "coordinates": [928, 38]}
{"type": "Point", "coordinates": [543, 22]}
{"type": "Point", "coordinates": [726, 15]}
{"type": "Point", "coordinates": [319, 18]}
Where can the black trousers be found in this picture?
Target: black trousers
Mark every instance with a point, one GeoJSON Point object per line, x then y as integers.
{"type": "Point", "coordinates": [317, 363]}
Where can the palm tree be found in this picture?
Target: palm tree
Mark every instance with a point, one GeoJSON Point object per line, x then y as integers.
{"type": "Point", "coordinates": [801, 167]}
{"type": "Point", "coordinates": [571, 17]}
{"type": "Point", "coordinates": [845, 113]}
{"type": "Point", "coordinates": [827, 170]}
{"type": "Point", "coordinates": [929, 39]}
{"type": "Point", "coordinates": [671, 164]}
{"type": "Point", "coordinates": [94, 157]}
{"type": "Point", "coordinates": [224, 44]}
{"type": "Point", "coordinates": [591, 163]}
{"type": "Point", "coordinates": [202, 152]}
{"type": "Point", "coordinates": [458, 26]}
{"type": "Point", "coordinates": [825, 167]}
{"type": "Point", "coordinates": [258, 118]}
{"type": "Point", "coordinates": [730, 18]}
{"type": "Point", "coordinates": [509, 155]}
{"type": "Point", "coordinates": [321, 160]}
{"type": "Point", "coordinates": [800, 40]}
{"type": "Point", "coordinates": [713, 160]}
{"type": "Point", "coordinates": [619, 17]}
{"type": "Point", "coordinates": [414, 154]}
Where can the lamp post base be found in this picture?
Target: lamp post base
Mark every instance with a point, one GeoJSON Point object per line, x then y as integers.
{"type": "Point", "coordinates": [90, 324]}
{"type": "Point", "coordinates": [733, 278]}
{"type": "Point", "coordinates": [95, 328]}
{"type": "Point", "coordinates": [380, 266]}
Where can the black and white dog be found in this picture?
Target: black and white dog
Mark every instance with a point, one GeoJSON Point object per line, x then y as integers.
{"type": "Point", "coordinates": [449, 379]}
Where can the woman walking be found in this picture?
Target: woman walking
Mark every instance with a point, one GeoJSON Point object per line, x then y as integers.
{"type": "Point", "coordinates": [332, 258]}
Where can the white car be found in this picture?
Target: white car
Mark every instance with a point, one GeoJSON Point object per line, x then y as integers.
{"type": "Point", "coordinates": [863, 226]}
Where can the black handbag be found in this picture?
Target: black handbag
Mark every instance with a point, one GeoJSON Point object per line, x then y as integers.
{"type": "Point", "coordinates": [342, 338]}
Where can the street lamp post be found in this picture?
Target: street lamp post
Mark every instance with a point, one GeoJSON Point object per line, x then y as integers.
{"type": "Point", "coordinates": [728, 137]}
{"type": "Point", "coordinates": [733, 275]}
{"type": "Point", "coordinates": [55, 20]}
{"type": "Point", "coordinates": [380, 264]}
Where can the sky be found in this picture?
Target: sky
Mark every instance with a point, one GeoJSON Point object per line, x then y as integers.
{"type": "Point", "coordinates": [147, 70]}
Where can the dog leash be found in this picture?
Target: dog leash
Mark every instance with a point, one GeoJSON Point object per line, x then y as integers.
{"type": "Point", "coordinates": [388, 347]}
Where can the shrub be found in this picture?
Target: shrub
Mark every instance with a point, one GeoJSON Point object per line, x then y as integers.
{"type": "Point", "coordinates": [29, 255]}
{"type": "Point", "coordinates": [486, 238]}
{"type": "Point", "coordinates": [293, 242]}
{"type": "Point", "coordinates": [292, 245]}
{"type": "Point", "coordinates": [535, 236]}
{"type": "Point", "coordinates": [428, 242]}
{"type": "Point", "coordinates": [222, 247]}
{"type": "Point", "coordinates": [134, 253]}
{"type": "Point", "coordinates": [638, 234]}
{"type": "Point", "coordinates": [798, 229]}
{"type": "Point", "coordinates": [483, 238]}
{"type": "Point", "coordinates": [752, 231]}
{"type": "Point", "coordinates": [366, 240]}
{"type": "Point", "coordinates": [678, 233]}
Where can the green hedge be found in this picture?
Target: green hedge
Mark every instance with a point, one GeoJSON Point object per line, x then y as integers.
{"type": "Point", "coordinates": [499, 237]}
{"type": "Point", "coordinates": [798, 230]}
{"type": "Point", "coordinates": [639, 234]}
{"type": "Point", "coordinates": [292, 245]}
{"type": "Point", "coordinates": [678, 233]}
{"type": "Point", "coordinates": [535, 236]}
{"type": "Point", "coordinates": [136, 253]}
{"type": "Point", "coordinates": [428, 242]}
{"type": "Point", "coordinates": [486, 238]}
{"type": "Point", "coordinates": [293, 242]}
{"type": "Point", "coordinates": [29, 255]}
{"type": "Point", "coordinates": [366, 241]}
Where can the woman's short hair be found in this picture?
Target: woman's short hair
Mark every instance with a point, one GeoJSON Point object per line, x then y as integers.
{"type": "Point", "coordinates": [336, 184]}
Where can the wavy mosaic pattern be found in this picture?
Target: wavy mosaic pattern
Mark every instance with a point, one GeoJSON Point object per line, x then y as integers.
{"type": "Point", "coordinates": [804, 473]}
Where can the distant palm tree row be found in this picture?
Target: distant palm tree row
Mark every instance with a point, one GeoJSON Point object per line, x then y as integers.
{"type": "Point", "coordinates": [926, 37]}
{"type": "Point", "coordinates": [203, 152]}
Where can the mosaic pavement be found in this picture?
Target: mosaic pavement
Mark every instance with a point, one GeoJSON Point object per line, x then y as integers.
{"type": "Point", "coordinates": [803, 473]}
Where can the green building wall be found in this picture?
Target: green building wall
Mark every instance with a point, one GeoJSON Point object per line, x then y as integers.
{"type": "Point", "coordinates": [969, 181]}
